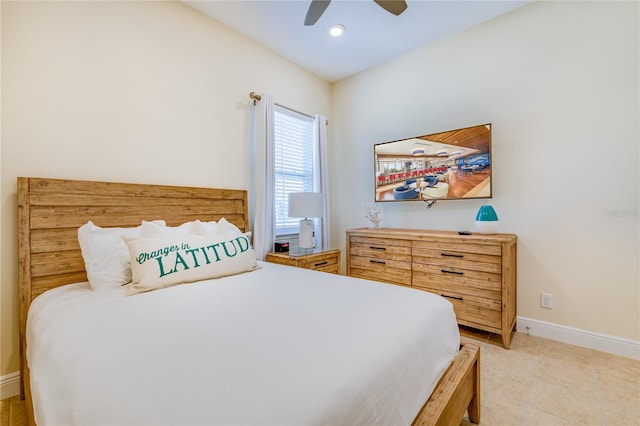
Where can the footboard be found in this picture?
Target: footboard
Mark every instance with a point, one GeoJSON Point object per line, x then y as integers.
{"type": "Point", "coordinates": [457, 392]}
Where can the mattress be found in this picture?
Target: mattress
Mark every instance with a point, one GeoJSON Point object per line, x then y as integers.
{"type": "Point", "coordinates": [278, 345]}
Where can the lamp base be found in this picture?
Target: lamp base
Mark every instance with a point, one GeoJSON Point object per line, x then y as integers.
{"type": "Point", "coordinates": [305, 239]}
{"type": "Point", "coordinates": [487, 226]}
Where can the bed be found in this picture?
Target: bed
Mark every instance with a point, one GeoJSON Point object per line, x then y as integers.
{"type": "Point", "coordinates": [259, 302]}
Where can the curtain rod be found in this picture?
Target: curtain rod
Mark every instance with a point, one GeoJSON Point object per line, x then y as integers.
{"type": "Point", "coordinates": [256, 98]}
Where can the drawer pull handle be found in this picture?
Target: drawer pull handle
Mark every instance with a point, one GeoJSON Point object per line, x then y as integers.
{"type": "Point", "coordinates": [452, 255]}
{"type": "Point", "coordinates": [451, 297]}
{"type": "Point", "coordinates": [379, 262]}
{"type": "Point", "coordinates": [444, 271]}
{"type": "Point", "coordinates": [377, 248]}
{"type": "Point", "coordinates": [321, 263]}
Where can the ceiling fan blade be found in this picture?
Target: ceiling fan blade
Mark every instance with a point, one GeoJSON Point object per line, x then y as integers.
{"type": "Point", "coordinates": [315, 11]}
{"type": "Point", "coordinates": [393, 6]}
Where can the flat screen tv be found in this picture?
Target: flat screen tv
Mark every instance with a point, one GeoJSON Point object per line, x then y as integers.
{"type": "Point", "coordinates": [450, 165]}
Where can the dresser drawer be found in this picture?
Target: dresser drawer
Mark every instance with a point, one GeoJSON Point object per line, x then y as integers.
{"type": "Point", "coordinates": [386, 276]}
{"type": "Point", "coordinates": [457, 259]}
{"type": "Point", "coordinates": [455, 247]}
{"type": "Point", "coordinates": [379, 269]}
{"type": "Point", "coordinates": [380, 248]}
{"type": "Point", "coordinates": [456, 287]}
{"type": "Point", "coordinates": [471, 310]}
{"type": "Point", "coordinates": [485, 284]}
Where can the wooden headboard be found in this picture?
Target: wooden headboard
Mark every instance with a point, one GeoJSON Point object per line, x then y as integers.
{"type": "Point", "coordinates": [50, 211]}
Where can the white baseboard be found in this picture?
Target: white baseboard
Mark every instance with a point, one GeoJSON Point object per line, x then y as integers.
{"type": "Point", "coordinates": [575, 336]}
{"type": "Point", "coordinates": [10, 385]}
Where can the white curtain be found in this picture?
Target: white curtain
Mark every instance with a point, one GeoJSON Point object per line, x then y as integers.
{"type": "Point", "coordinates": [264, 223]}
{"type": "Point", "coordinates": [322, 179]}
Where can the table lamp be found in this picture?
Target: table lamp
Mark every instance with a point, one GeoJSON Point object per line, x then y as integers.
{"type": "Point", "coordinates": [487, 220]}
{"type": "Point", "coordinates": [306, 205]}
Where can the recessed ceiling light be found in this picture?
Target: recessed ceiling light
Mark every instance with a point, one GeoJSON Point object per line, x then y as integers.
{"type": "Point", "coordinates": [336, 30]}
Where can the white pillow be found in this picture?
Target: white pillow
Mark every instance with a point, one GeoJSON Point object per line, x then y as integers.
{"type": "Point", "coordinates": [225, 226]}
{"type": "Point", "coordinates": [154, 230]}
{"type": "Point", "coordinates": [208, 228]}
{"type": "Point", "coordinates": [196, 227]}
{"type": "Point", "coordinates": [106, 257]}
{"type": "Point", "coordinates": [169, 260]}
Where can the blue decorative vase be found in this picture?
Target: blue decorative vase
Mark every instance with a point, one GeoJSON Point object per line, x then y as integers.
{"type": "Point", "coordinates": [487, 220]}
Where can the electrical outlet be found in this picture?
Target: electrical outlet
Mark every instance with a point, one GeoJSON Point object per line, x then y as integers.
{"type": "Point", "coordinates": [546, 300]}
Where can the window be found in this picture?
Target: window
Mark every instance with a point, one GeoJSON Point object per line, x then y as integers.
{"type": "Point", "coordinates": [294, 163]}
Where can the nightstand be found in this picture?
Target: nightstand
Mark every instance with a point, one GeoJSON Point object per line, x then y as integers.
{"type": "Point", "coordinates": [325, 261]}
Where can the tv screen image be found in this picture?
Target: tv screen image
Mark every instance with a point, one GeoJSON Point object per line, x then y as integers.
{"type": "Point", "coordinates": [451, 165]}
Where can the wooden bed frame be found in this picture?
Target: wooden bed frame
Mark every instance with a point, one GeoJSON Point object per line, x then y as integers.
{"type": "Point", "coordinates": [50, 211]}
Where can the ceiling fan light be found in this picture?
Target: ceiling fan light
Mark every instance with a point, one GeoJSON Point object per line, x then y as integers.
{"type": "Point", "coordinates": [336, 30]}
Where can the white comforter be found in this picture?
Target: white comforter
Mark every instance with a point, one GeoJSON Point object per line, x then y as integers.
{"type": "Point", "coordinates": [279, 346]}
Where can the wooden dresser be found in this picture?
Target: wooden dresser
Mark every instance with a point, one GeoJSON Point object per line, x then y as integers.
{"type": "Point", "coordinates": [325, 261]}
{"type": "Point", "coordinates": [476, 273]}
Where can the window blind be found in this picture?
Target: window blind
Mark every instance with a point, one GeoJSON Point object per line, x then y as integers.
{"type": "Point", "coordinates": [293, 163]}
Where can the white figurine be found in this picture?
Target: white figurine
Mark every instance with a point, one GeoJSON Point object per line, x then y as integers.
{"type": "Point", "coordinates": [373, 214]}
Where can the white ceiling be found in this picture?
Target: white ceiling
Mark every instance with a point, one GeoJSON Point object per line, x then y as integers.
{"type": "Point", "coordinates": [372, 35]}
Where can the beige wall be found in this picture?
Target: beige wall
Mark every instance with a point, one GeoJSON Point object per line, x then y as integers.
{"type": "Point", "coordinates": [149, 92]}
{"type": "Point", "coordinates": [559, 82]}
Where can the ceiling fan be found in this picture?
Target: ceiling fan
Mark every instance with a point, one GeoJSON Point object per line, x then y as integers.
{"type": "Point", "coordinates": [317, 8]}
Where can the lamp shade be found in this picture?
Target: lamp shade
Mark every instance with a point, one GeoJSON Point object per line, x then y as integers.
{"type": "Point", "coordinates": [306, 204]}
{"type": "Point", "coordinates": [487, 220]}
{"type": "Point", "coordinates": [487, 214]}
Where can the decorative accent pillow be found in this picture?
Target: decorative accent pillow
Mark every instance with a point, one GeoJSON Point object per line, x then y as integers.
{"type": "Point", "coordinates": [106, 257]}
{"type": "Point", "coordinates": [165, 261]}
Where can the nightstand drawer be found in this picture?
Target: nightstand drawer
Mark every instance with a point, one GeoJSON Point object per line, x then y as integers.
{"type": "Point", "coordinates": [325, 261]}
{"type": "Point", "coordinates": [281, 260]}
